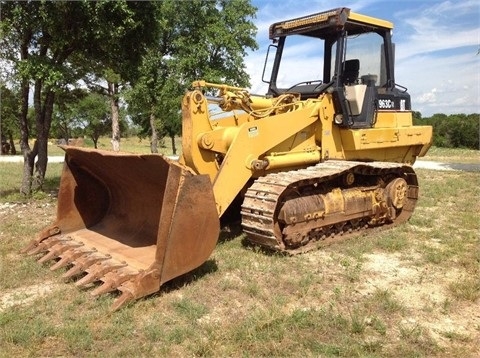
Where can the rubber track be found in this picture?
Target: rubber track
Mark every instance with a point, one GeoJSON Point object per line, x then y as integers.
{"type": "Point", "coordinates": [264, 198]}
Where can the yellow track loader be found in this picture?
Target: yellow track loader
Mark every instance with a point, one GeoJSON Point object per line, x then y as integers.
{"type": "Point", "coordinates": [326, 153]}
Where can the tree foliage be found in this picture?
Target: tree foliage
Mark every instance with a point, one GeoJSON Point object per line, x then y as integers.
{"type": "Point", "coordinates": [63, 120]}
{"type": "Point", "coordinates": [50, 45]}
{"type": "Point", "coordinates": [93, 115]}
{"type": "Point", "coordinates": [198, 39]}
{"type": "Point", "coordinates": [126, 30]}
{"type": "Point", "coordinates": [455, 130]}
{"type": "Point", "coordinates": [81, 113]}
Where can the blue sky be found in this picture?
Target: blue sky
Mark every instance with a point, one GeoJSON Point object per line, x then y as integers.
{"type": "Point", "coordinates": [436, 47]}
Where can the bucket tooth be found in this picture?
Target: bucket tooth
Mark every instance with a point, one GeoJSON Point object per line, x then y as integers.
{"type": "Point", "coordinates": [44, 234]}
{"type": "Point", "coordinates": [83, 263]}
{"type": "Point", "coordinates": [49, 243]}
{"type": "Point", "coordinates": [58, 249]}
{"type": "Point", "coordinates": [37, 249]}
{"type": "Point", "coordinates": [121, 301]}
{"type": "Point", "coordinates": [46, 244]}
{"type": "Point", "coordinates": [30, 246]}
{"type": "Point", "coordinates": [112, 280]}
{"type": "Point", "coordinates": [69, 257]}
{"type": "Point", "coordinates": [143, 284]}
{"type": "Point", "coordinates": [49, 256]}
{"type": "Point", "coordinates": [96, 271]}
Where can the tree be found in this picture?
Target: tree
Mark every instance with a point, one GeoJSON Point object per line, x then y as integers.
{"type": "Point", "coordinates": [44, 34]}
{"type": "Point", "coordinates": [8, 119]}
{"type": "Point", "coordinates": [464, 131]}
{"type": "Point", "coordinates": [128, 29]}
{"type": "Point", "coordinates": [92, 114]}
{"type": "Point", "coordinates": [52, 44]}
{"type": "Point", "coordinates": [417, 117]}
{"type": "Point", "coordinates": [455, 130]}
{"type": "Point", "coordinates": [63, 119]}
{"type": "Point", "coordinates": [197, 39]}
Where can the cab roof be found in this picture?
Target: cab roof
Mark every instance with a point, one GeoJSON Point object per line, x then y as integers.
{"type": "Point", "coordinates": [324, 24]}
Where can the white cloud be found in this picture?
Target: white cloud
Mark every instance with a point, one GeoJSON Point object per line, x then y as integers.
{"type": "Point", "coordinates": [436, 27]}
{"type": "Point", "coordinates": [428, 97]}
{"type": "Point", "coordinates": [455, 80]}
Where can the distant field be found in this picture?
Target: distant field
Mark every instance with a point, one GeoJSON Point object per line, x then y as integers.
{"type": "Point", "coordinates": [132, 144]}
{"type": "Point", "coordinates": [412, 291]}
{"type": "Point", "coordinates": [453, 155]}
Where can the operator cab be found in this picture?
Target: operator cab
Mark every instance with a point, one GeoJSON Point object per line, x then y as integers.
{"type": "Point", "coordinates": [346, 54]}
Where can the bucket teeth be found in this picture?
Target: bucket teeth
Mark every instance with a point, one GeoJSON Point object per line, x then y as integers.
{"type": "Point", "coordinates": [83, 263]}
{"type": "Point", "coordinates": [112, 280]}
{"type": "Point", "coordinates": [98, 270]}
{"type": "Point", "coordinates": [46, 244]}
{"type": "Point", "coordinates": [45, 234]}
{"type": "Point", "coordinates": [70, 256]}
{"type": "Point", "coordinates": [59, 248]}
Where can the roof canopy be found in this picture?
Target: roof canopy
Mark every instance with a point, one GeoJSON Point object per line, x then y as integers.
{"type": "Point", "coordinates": [325, 23]}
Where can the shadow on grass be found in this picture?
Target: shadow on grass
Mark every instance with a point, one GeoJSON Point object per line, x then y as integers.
{"type": "Point", "coordinates": [12, 194]}
{"type": "Point", "coordinates": [50, 188]}
{"type": "Point", "coordinates": [229, 231]}
{"type": "Point", "coordinates": [207, 268]}
{"type": "Point", "coordinates": [51, 184]}
{"type": "Point", "coordinates": [232, 229]}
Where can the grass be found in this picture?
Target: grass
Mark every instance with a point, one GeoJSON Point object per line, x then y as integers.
{"type": "Point", "coordinates": [453, 155]}
{"type": "Point", "coordinates": [130, 144]}
{"type": "Point", "coordinates": [412, 291]}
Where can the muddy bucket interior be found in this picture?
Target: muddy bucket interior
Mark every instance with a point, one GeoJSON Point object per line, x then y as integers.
{"type": "Point", "coordinates": [144, 211]}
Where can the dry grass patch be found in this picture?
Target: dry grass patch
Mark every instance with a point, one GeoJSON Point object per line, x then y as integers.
{"type": "Point", "coordinates": [453, 155]}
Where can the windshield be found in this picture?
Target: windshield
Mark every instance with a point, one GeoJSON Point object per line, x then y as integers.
{"type": "Point", "coordinates": [367, 48]}
{"type": "Point", "coordinates": [302, 61]}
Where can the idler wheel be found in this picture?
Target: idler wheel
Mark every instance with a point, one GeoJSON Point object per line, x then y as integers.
{"type": "Point", "coordinates": [397, 192]}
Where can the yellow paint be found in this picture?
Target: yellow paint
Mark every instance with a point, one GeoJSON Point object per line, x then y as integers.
{"type": "Point", "coordinates": [296, 135]}
{"type": "Point", "coordinates": [368, 20]}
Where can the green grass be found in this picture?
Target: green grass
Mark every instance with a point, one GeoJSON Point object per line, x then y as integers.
{"type": "Point", "coordinates": [387, 294]}
{"type": "Point", "coordinates": [130, 144]}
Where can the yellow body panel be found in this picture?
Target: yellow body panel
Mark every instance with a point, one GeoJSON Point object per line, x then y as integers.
{"type": "Point", "coordinates": [368, 20]}
{"type": "Point", "coordinates": [240, 146]}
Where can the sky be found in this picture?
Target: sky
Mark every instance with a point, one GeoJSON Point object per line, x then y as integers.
{"type": "Point", "coordinates": [437, 47]}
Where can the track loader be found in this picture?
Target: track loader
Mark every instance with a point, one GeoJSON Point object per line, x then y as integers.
{"type": "Point", "coordinates": [325, 154]}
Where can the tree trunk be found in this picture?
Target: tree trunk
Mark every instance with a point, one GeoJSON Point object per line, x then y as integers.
{"type": "Point", "coordinates": [43, 118]}
{"type": "Point", "coordinates": [28, 161]}
{"type": "Point", "coordinates": [154, 138]}
{"type": "Point", "coordinates": [13, 150]}
{"type": "Point", "coordinates": [25, 187]}
{"type": "Point", "coordinates": [41, 145]}
{"type": "Point", "coordinates": [174, 148]}
{"type": "Point", "coordinates": [112, 93]}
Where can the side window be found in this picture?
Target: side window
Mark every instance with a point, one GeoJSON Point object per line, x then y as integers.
{"type": "Point", "coordinates": [367, 48]}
